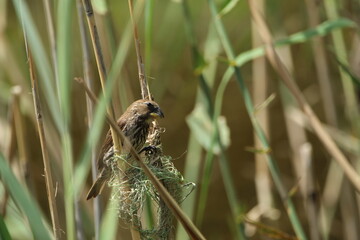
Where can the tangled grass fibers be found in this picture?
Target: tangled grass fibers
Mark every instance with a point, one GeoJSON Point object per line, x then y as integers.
{"type": "Point", "coordinates": [132, 187]}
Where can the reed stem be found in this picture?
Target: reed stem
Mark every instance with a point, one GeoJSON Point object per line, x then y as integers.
{"type": "Point", "coordinates": [100, 63]}
{"type": "Point", "coordinates": [88, 77]}
{"type": "Point", "coordinates": [322, 134]}
{"type": "Point", "coordinates": [145, 91]}
{"type": "Point", "coordinates": [51, 36]}
{"type": "Point", "coordinates": [250, 108]}
{"type": "Point", "coordinates": [46, 161]}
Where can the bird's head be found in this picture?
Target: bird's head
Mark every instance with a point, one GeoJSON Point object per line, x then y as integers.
{"type": "Point", "coordinates": [147, 109]}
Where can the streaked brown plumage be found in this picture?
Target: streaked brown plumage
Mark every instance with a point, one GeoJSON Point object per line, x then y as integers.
{"type": "Point", "coordinates": [134, 123]}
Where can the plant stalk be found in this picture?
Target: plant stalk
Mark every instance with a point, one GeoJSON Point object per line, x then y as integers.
{"type": "Point", "coordinates": [100, 63]}
{"type": "Point", "coordinates": [322, 134]}
{"type": "Point", "coordinates": [145, 91]}
{"type": "Point", "coordinates": [50, 189]}
{"type": "Point", "coordinates": [250, 108]}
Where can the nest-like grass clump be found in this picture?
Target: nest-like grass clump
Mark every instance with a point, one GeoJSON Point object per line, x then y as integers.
{"type": "Point", "coordinates": [132, 187]}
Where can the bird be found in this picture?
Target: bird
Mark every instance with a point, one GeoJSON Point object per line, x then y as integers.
{"type": "Point", "coordinates": [134, 123]}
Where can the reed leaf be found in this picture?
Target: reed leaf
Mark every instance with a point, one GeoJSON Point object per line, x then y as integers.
{"type": "Point", "coordinates": [24, 201]}
{"type": "Point", "coordinates": [41, 59]}
{"type": "Point", "coordinates": [64, 21]}
{"type": "Point", "coordinates": [4, 232]}
{"type": "Point", "coordinates": [300, 37]}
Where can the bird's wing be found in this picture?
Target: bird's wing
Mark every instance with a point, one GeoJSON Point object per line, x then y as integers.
{"type": "Point", "coordinates": [108, 143]}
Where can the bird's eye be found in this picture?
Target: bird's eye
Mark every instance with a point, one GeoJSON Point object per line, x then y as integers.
{"type": "Point", "coordinates": [150, 106]}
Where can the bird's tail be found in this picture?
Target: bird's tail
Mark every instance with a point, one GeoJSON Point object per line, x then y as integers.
{"type": "Point", "coordinates": [96, 188]}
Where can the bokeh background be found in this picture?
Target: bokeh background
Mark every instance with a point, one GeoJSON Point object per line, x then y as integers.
{"type": "Point", "coordinates": [181, 47]}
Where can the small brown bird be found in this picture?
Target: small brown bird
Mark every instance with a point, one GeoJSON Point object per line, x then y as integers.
{"type": "Point", "coordinates": [134, 123]}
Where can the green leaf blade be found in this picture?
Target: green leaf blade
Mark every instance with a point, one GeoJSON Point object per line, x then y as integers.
{"type": "Point", "coordinates": [25, 202]}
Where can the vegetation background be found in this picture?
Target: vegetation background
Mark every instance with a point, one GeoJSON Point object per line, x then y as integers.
{"type": "Point", "coordinates": [191, 50]}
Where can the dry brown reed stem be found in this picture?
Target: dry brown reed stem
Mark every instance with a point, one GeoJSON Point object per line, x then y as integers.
{"type": "Point", "coordinates": [20, 136]}
{"type": "Point", "coordinates": [300, 158]}
{"type": "Point", "coordinates": [308, 190]}
{"type": "Point", "coordinates": [190, 228]}
{"type": "Point", "coordinates": [88, 76]}
{"type": "Point", "coordinates": [145, 91]}
{"type": "Point", "coordinates": [300, 151]}
{"type": "Point", "coordinates": [322, 69]}
{"type": "Point", "coordinates": [344, 193]}
{"type": "Point", "coordinates": [260, 89]}
{"type": "Point", "coordinates": [10, 150]}
{"type": "Point", "coordinates": [47, 166]}
{"type": "Point", "coordinates": [349, 212]}
{"type": "Point", "coordinates": [20, 129]}
{"type": "Point", "coordinates": [102, 73]}
{"type": "Point", "coordinates": [86, 63]}
{"type": "Point", "coordinates": [270, 232]}
{"type": "Point", "coordinates": [355, 55]}
{"type": "Point", "coordinates": [89, 12]}
{"type": "Point", "coordinates": [51, 33]}
{"type": "Point", "coordinates": [278, 65]}
{"type": "Point", "coordinates": [336, 189]}
{"type": "Point", "coordinates": [351, 108]}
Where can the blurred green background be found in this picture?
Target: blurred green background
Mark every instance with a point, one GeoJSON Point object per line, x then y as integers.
{"type": "Point", "coordinates": [181, 46]}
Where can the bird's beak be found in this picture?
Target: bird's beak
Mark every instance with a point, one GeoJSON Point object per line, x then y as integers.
{"type": "Point", "coordinates": [157, 113]}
